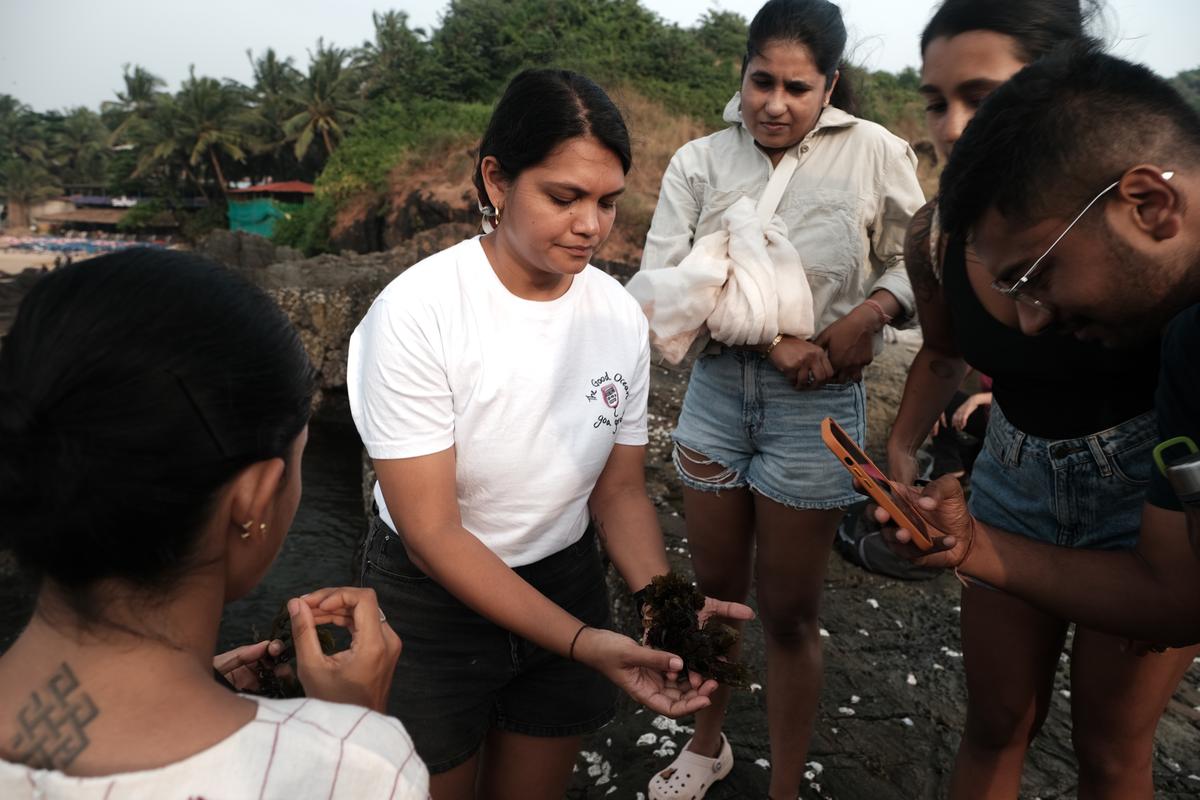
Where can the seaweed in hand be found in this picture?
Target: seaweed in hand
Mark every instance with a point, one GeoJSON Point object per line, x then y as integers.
{"type": "Point", "coordinates": [277, 674]}
{"type": "Point", "coordinates": [671, 604]}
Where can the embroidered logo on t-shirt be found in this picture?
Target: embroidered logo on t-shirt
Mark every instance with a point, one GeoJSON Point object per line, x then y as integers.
{"type": "Point", "coordinates": [612, 391]}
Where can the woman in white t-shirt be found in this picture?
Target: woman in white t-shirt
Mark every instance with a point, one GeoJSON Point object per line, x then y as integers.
{"type": "Point", "coordinates": [153, 412]}
{"type": "Point", "coordinates": [500, 388]}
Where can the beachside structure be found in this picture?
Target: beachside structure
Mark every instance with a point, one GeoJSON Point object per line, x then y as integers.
{"type": "Point", "coordinates": [255, 209]}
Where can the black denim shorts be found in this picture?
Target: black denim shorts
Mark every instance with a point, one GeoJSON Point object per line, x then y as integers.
{"type": "Point", "coordinates": [459, 674]}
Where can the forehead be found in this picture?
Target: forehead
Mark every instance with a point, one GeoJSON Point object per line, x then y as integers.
{"type": "Point", "coordinates": [581, 161]}
{"type": "Point", "coordinates": [784, 59]}
{"type": "Point", "coordinates": [974, 55]}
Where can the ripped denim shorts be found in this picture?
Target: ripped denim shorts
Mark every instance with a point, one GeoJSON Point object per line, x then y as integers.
{"type": "Point", "coordinates": [742, 414]}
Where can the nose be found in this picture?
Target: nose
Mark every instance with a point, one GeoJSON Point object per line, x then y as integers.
{"type": "Point", "coordinates": [586, 220]}
{"type": "Point", "coordinates": [954, 123]}
{"type": "Point", "coordinates": [775, 106]}
{"type": "Point", "coordinates": [1033, 320]}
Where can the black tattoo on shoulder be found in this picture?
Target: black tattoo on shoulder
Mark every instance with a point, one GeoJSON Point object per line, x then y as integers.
{"type": "Point", "coordinates": [917, 256]}
{"type": "Point", "coordinates": [51, 726]}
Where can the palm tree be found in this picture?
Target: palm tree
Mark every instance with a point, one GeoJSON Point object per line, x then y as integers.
{"type": "Point", "coordinates": [80, 148]}
{"type": "Point", "coordinates": [25, 183]}
{"type": "Point", "coordinates": [136, 103]}
{"type": "Point", "coordinates": [327, 99]}
{"type": "Point", "coordinates": [398, 61]}
{"type": "Point", "coordinates": [205, 120]}
{"type": "Point", "coordinates": [273, 91]}
{"type": "Point", "coordinates": [22, 131]}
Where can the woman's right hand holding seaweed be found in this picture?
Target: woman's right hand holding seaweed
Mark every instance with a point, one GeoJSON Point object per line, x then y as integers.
{"type": "Point", "coordinates": [804, 364]}
{"type": "Point", "coordinates": [649, 676]}
{"type": "Point", "coordinates": [362, 674]}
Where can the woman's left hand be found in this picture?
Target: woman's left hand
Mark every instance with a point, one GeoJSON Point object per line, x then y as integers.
{"type": "Point", "coordinates": [850, 343]}
{"type": "Point", "coordinates": [241, 665]}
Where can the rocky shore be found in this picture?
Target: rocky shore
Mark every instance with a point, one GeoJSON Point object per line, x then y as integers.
{"type": "Point", "coordinates": [893, 700]}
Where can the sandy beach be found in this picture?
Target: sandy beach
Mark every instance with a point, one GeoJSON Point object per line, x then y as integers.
{"type": "Point", "coordinates": [13, 261]}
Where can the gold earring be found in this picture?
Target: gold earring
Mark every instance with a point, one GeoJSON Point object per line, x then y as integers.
{"type": "Point", "coordinates": [246, 529]}
{"type": "Point", "coordinates": [498, 212]}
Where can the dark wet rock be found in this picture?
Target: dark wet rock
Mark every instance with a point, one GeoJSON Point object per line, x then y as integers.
{"type": "Point", "coordinates": [244, 250]}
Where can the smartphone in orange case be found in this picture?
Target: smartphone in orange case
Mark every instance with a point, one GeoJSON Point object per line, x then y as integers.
{"type": "Point", "coordinates": [877, 485]}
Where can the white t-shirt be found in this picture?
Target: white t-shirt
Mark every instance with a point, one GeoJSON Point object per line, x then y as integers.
{"type": "Point", "coordinates": [292, 748]}
{"type": "Point", "coordinates": [532, 395]}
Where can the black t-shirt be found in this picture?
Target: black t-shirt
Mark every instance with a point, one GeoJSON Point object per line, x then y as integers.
{"type": "Point", "coordinates": [1178, 396]}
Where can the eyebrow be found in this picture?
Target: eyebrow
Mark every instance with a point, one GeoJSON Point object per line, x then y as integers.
{"type": "Point", "coordinates": [795, 83]}
{"type": "Point", "coordinates": [973, 85]}
{"type": "Point", "coordinates": [579, 190]}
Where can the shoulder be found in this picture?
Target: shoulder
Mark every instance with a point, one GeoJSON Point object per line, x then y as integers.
{"type": "Point", "coordinates": [317, 730]}
{"type": "Point", "coordinates": [604, 288]}
{"type": "Point", "coordinates": [708, 152]}
{"type": "Point", "coordinates": [438, 272]}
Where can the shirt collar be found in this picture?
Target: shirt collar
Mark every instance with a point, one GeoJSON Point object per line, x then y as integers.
{"type": "Point", "coordinates": [831, 116]}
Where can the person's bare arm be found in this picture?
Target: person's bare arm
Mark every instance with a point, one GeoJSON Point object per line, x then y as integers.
{"type": "Point", "coordinates": [625, 517]}
{"type": "Point", "coordinates": [938, 369]}
{"type": "Point", "coordinates": [1151, 593]}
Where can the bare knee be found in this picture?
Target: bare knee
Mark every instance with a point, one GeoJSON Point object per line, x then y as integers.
{"type": "Point", "coordinates": [1110, 760]}
{"type": "Point", "coordinates": [1002, 723]}
{"type": "Point", "coordinates": [790, 627]}
{"type": "Point", "coordinates": [704, 471]}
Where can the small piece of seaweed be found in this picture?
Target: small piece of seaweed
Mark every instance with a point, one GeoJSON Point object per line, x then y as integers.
{"type": "Point", "coordinates": [276, 675]}
{"type": "Point", "coordinates": [669, 616]}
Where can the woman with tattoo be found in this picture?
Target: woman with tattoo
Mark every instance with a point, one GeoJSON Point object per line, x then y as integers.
{"type": "Point", "coordinates": [153, 411]}
{"type": "Point", "coordinates": [762, 495]}
{"type": "Point", "coordinates": [1066, 456]}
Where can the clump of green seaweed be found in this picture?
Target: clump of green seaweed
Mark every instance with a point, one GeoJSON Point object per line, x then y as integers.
{"type": "Point", "coordinates": [671, 604]}
{"type": "Point", "coordinates": [276, 674]}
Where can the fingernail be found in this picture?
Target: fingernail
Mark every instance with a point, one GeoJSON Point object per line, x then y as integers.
{"type": "Point", "coordinates": [293, 606]}
{"type": "Point", "coordinates": [676, 663]}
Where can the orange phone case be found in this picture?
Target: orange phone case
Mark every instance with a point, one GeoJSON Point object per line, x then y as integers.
{"type": "Point", "coordinates": [876, 484]}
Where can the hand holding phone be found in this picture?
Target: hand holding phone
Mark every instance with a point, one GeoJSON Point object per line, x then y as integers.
{"type": "Point", "coordinates": [877, 485]}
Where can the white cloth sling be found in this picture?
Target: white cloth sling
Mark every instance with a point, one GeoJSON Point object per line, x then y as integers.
{"type": "Point", "coordinates": [745, 282]}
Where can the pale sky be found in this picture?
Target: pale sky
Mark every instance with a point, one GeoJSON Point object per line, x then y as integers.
{"type": "Point", "coordinates": [60, 53]}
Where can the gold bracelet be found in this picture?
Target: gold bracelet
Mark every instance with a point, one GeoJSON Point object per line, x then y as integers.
{"type": "Point", "coordinates": [778, 338]}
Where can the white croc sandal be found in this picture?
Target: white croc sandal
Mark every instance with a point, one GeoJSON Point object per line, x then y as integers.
{"type": "Point", "coordinates": [691, 775]}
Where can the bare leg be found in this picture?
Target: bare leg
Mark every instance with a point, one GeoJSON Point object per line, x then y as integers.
{"type": "Point", "coordinates": [1117, 698]}
{"type": "Point", "coordinates": [519, 767]}
{"type": "Point", "coordinates": [457, 783]}
{"type": "Point", "coordinates": [721, 540]}
{"type": "Point", "coordinates": [793, 552]}
{"type": "Point", "coordinates": [1011, 651]}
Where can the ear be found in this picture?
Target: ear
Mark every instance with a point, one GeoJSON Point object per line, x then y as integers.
{"type": "Point", "coordinates": [252, 497]}
{"type": "Point", "coordinates": [494, 181]}
{"type": "Point", "coordinates": [1154, 205]}
{"type": "Point", "coordinates": [837, 73]}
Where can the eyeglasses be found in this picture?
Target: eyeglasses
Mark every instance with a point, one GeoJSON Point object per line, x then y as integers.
{"type": "Point", "coordinates": [1018, 290]}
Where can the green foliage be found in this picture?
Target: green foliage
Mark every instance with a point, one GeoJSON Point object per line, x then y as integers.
{"type": "Point", "coordinates": [393, 129]}
{"type": "Point", "coordinates": [1187, 83]}
{"type": "Point", "coordinates": [142, 215]}
{"type": "Point", "coordinates": [890, 99]}
{"type": "Point", "coordinates": [306, 227]}
{"type": "Point", "coordinates": [200, 223]}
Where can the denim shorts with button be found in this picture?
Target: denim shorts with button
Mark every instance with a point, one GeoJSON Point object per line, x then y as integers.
{"type": "Point", "coordinates": [459, 674]}
{"type": "Point", "coordinates": [1086, 492]}
{"type": "Point", "coordinates": [741, 413]}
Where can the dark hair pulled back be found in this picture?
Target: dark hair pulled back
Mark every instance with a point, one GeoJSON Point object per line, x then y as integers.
{"type": "Point", "coordinates": [132, 387]}
{"type": "Point", "coordinates": [541, 109]}
{"type": "Point", "coordinates": [1037, 26]}
{"type": "Point", "coordinates": [816, 24]}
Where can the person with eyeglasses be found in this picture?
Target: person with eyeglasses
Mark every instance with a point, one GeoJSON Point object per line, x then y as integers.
{"type": "Point", "coordinates": [1067, 453]}
{"type": "Point", "coordinates": [1078, 184]}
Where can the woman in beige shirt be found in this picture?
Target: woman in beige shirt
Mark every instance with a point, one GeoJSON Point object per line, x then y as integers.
{"type": "Point", "coordinates": [762, 495]}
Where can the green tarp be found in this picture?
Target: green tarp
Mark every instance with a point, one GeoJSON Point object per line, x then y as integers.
{"type": "Point", "coordinates": [254, 216]}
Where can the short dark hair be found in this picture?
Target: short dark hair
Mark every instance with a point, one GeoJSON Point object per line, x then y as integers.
{"type": "Point", "coordinates": [1058, 131]}
{"type": "Point", "coordinates": [541, 109]}
{"type": "Point", "coordinates": [816, 24]}
{"type": "Point", "coordinates": [1037, 26]}
{"type": "Point", "coordinates": [132, 387]}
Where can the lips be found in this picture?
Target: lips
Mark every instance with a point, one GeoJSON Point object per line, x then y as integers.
{"type": "Point", "coordinates": [578, 252]}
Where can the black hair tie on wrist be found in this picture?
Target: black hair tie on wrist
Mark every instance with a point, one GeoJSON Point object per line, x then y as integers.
{"type": "Point", "coordinates": [574, 639]}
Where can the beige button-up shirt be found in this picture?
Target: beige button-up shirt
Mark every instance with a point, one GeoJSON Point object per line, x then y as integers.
{"type": "Point", "coordinates": [847, 207]}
